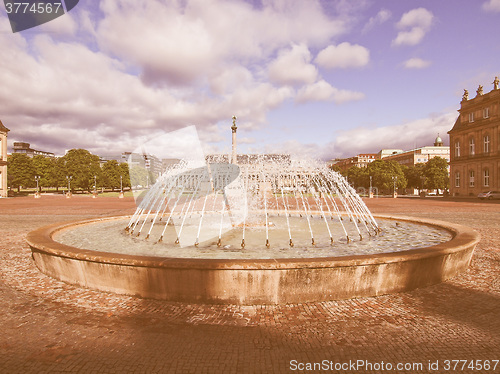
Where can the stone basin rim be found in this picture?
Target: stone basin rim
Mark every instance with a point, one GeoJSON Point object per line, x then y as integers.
{"type": "Point", "coordinates": [41, 240]}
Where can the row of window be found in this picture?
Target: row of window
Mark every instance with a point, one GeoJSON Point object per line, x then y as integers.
{"type": "Point", "coordinates": [486, 114]}
{"type": "Point", "coordinates": [472, 146]}
{"type": "Point", "coordinates": [472, 175]}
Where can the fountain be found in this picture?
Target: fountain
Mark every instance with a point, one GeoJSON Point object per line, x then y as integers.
{"type": "Point", "coordinates": [266, 231]}
{"type": "Point", "coordinates": [220, 198]}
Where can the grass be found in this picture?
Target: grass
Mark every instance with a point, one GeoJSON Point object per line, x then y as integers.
{"type": "Point", "coordinates": [31, 191]}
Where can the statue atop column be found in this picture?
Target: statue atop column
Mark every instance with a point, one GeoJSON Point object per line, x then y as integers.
{"type": "Point", "coordinates": [233, 127]}
{"type": "Point", "coordinates": [466, 95]}
{"type": "Point", "coordinates": [233, 153]}
{"type": "Point", "coordinates": [495, 83]}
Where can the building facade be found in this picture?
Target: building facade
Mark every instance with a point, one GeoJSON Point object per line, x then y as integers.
{"type": "Point", "coordinates": [475, 144]}
{"type": "Point", "coordinates": [3, 160]}
{"type": "Point", "coordinates": [149, 162]}
{"type": "Point", "coordinates": [408, 158]}
{"type": "Point", "coordinates": [21, 147]}
{"type": "Point", "coordinates": [361, 161]}
{"type": "Point", "coordinates": [421, 155]}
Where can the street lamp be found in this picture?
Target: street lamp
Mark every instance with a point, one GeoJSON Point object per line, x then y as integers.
{"type": "Point", "coordinates": [121, 188]}
{"type": "Point", "coordinates": [37, 193]}
{"type": "Point", "coordinates": [69, 184]}
{"type": "Point", "coordinates": [94, 194]}
{"type": "Point", "coordinates": [395, 179]}
{"type": "Point", "coordinates": [147, 165]}
{"type": "Point", "coordinates": [370, 193]}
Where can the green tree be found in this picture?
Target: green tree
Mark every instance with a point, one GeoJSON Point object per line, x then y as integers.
{"type": "Point", "coordinates": [383, 171]}
{"type": "Point", "coordinates": [138, 176]}
{"type": "Point", "coordinates": [357, 177]}
{"type": "Point", "coordinates": [436, 174]}
{"type": "Point", "coordinates": [111, 172]}
{"type": "Point", "coordinates": [44, 169]}
{"type": "Point", "coordinates": [58, 174]}
{"type": "Point", "coordinates": [414, 176]}
{"type": "Point", "coordinates": [81, 166]}
{"type": "Point", "coordinates": [21, 172]}
{"type": "Point", "coordinates": [124, 172]}
{"type": "Point", "coordinates": [335, 168]}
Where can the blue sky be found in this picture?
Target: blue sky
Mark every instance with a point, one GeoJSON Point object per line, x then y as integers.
{"type": "Point", "coordinates": [319, 78]}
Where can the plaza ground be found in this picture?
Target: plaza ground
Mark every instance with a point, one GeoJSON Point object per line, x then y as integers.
{"type": "Point", "coordinates": [52, 327]}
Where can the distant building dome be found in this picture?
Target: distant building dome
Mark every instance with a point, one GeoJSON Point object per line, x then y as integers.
{"type": "Point", "coordinates": [438, 142]}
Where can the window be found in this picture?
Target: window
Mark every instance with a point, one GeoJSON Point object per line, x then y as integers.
{"type": "Point", "coordinates": [486, 112]}
{"type": "Point", "coordinates": [457, 179]}
{"type": "Point", "coordinates": [486, 177]}
{"type": "Point", "coordinates": [471, 178]}
{"type": "Point", "coordinates": [457, 149]}
{"type": "Point", "coordinates": [471, 117]}
{"type": "Point", "coordinates": [472, 147]}
{"type": "Point", "coordinates": [486, 144]}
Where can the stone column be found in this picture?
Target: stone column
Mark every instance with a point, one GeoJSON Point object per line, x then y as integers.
{"type": "Point", "coordinates": [233, 154]}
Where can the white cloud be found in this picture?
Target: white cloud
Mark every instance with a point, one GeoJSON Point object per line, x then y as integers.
{"type": "Point", "coordinates": [230, 79]}
{"type": "Point", "coordinates": [405, 136]}
{"type": "Point", "coordinates": [292, 66]}
{"type": "Point", "coordinates": [86, 23]}
{"type": "Point", "coordinates": [246, 140]}
{"type": "Point", "coordinates": [412, 37]}
{"type": "Point", "coordinates": [181, 42]}
{"type": "Point", "coordinates": [64, 25]}
{"type": "Point", "coordinates": [323, 91]}
{"type": "Point", "coordinates": [419, 17]}
{"type": "Point", "coordinates": [414, 25]}
{"type": "Point", "coordinates": [344, 55]}
{"type": "Point", "coordinates": [416, 63]}
{"type": "Point", "coordinates": [137, 69]}
{"type": "Point", "coordinates": [254, 102]}
{"type": "Point", "coordinates": [351, 142]}
{"type": "Point", "coordinates": [491, 6]}
{"type": "Point", "coordinates": [70, 87]}
{"type": "Point", "coordinates": [381, 17]}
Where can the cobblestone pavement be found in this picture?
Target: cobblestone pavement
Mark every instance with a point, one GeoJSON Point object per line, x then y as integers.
{"type": "Point", "coordinates": [52, 327]}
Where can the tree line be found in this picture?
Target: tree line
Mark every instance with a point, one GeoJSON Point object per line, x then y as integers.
{"type": "Point", "coordinates": [78, 167]}
{"type": "Point", "coordinates": [384, 173]}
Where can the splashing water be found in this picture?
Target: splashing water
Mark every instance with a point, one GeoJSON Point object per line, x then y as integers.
{"type": "Point", "coordinates": [221, 199]}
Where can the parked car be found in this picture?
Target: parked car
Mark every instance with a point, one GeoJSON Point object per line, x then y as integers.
{"type": "Point", "coordinates": [489, 195]}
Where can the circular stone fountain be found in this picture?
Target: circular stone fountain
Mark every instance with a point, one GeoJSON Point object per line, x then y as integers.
{"type": "Point", "coordinates": [262, 233]}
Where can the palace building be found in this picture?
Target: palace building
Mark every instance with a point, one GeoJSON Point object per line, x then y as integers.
{"type": "Point", "coordinates": [361, 161]}
{"type": "Point", "coordinates": [475, 144]}
{"type": "Point", "coordinates": [420, 155]}
{"type": "Point", "coordinates": [3, 160]}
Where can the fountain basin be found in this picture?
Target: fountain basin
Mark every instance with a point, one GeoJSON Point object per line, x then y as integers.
{"type": "Point", "coordinates": [255, 281]}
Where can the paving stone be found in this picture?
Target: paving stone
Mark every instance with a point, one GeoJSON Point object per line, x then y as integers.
{"type": "Point", "coordinates": [52, 327]}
